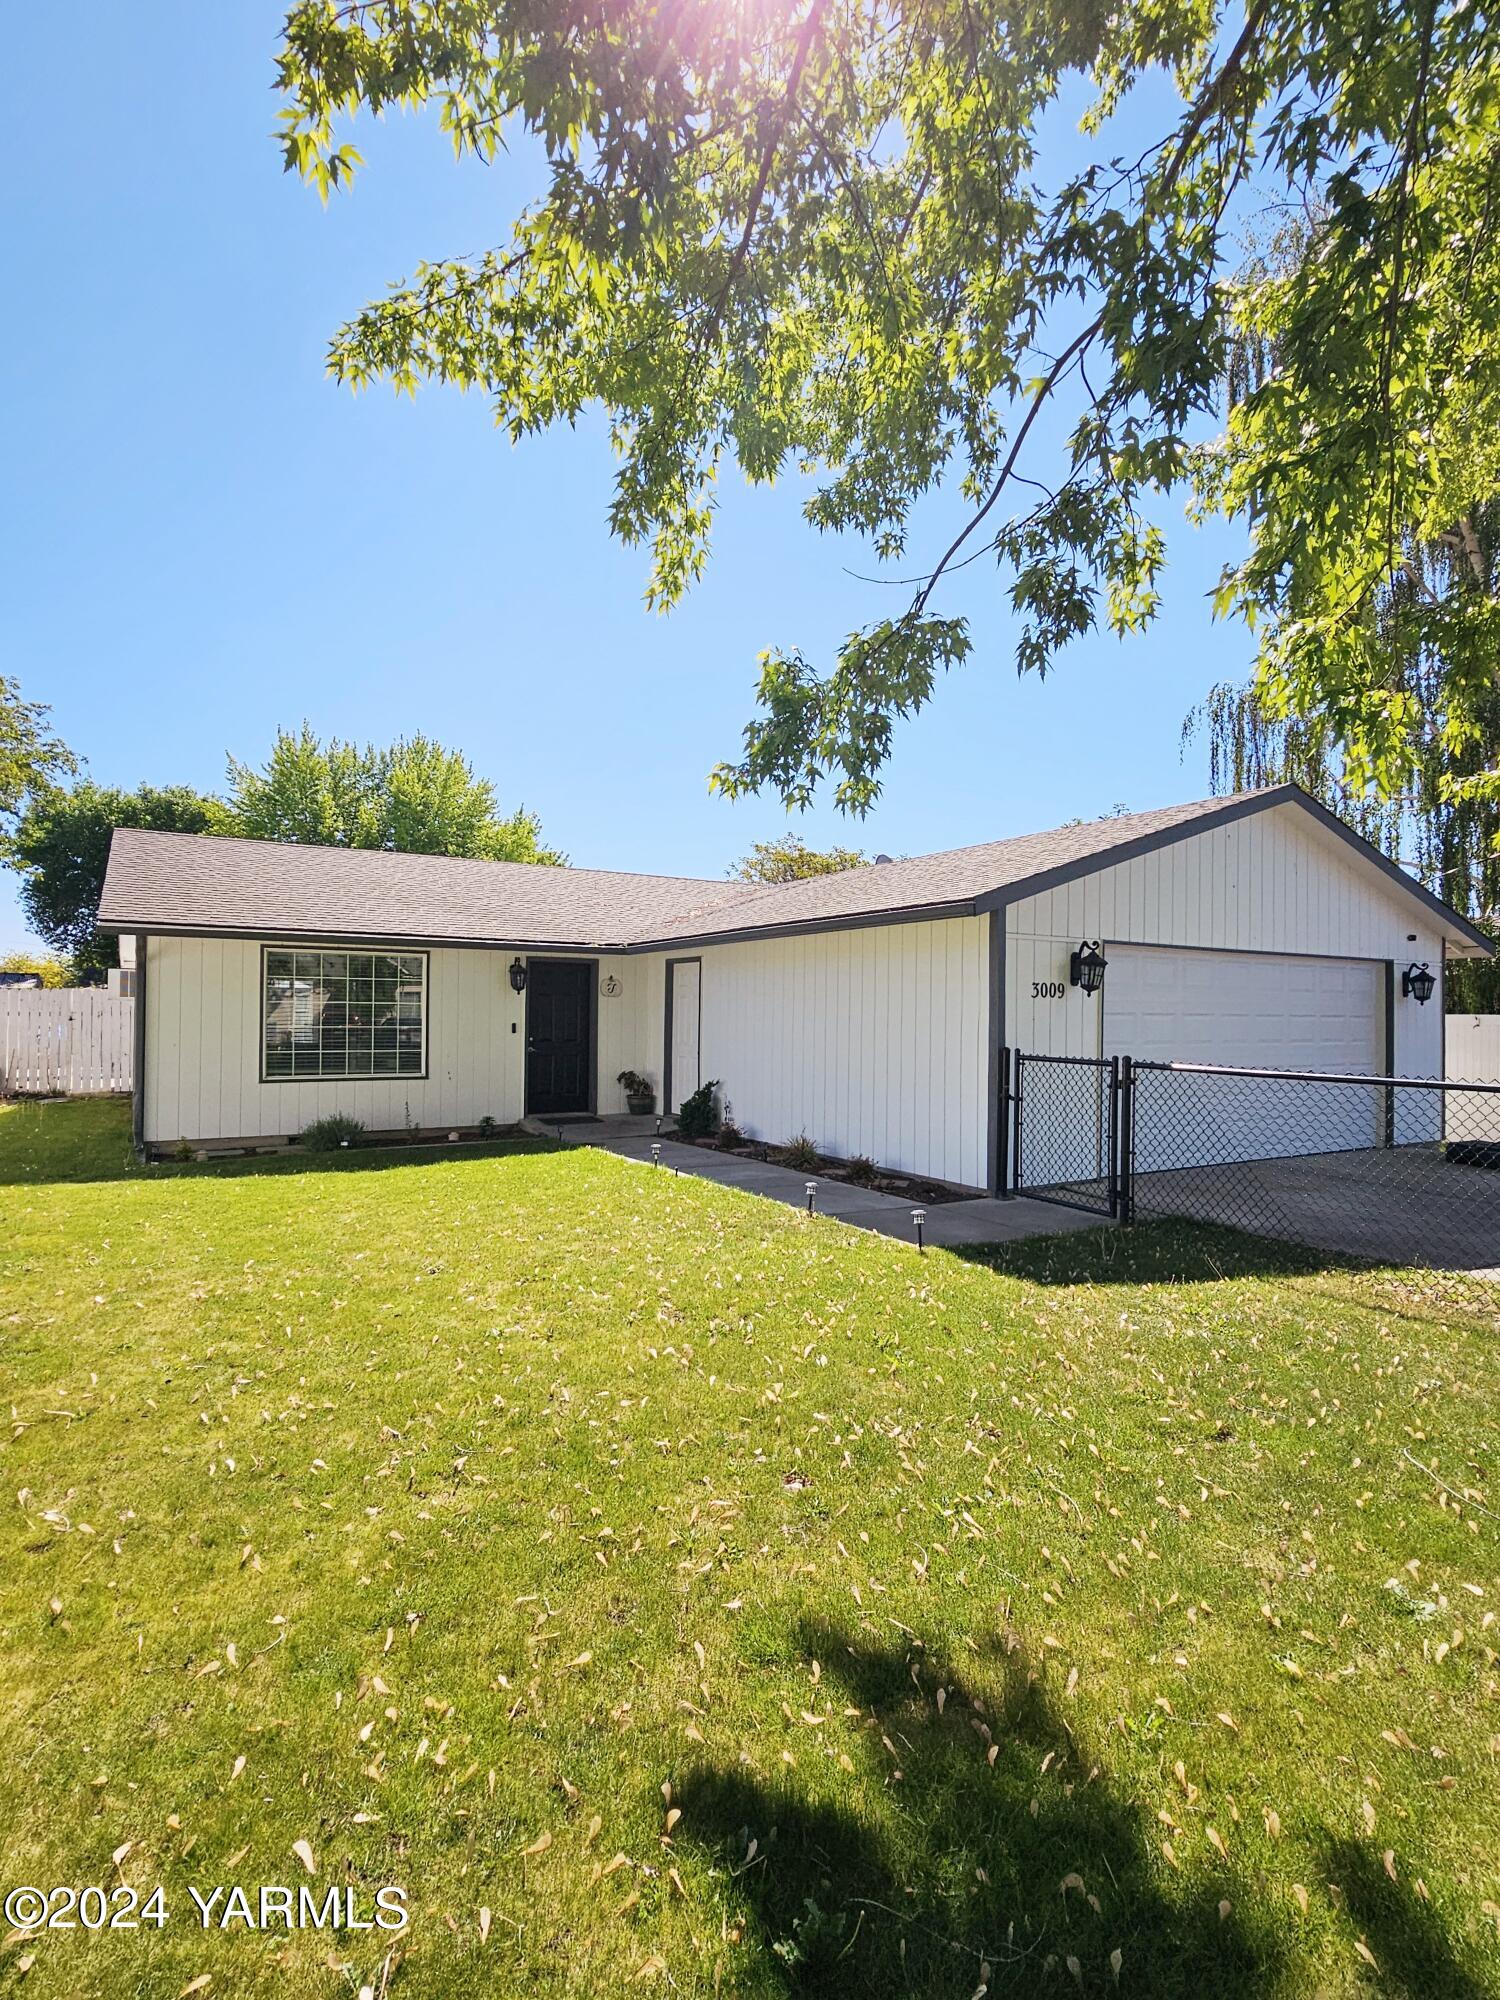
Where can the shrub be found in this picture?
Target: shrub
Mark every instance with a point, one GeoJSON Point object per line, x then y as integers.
{"type": "Point", "coordinates": [698, 1117]}
{"type": "Point", "coordinates": [862, 1170]}
{"type": "Point", "coordinates": [801, 1152]}
{"type": "Point", "coordinates": [634, 1084]}
{"type": "Point", "coordinates": [328, 1135]}
{"type": "Point", "coordinates": [731, 1136]}
{"type": "Point", "coordinates": [487, 1127]}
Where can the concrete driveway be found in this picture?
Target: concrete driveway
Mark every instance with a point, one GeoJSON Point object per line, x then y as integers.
{"type": "Point", "coordinates": [1396, 1205]}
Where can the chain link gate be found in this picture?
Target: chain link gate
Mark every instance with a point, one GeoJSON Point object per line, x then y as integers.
{"type": "Point", "coordinates": [1065, 1130]}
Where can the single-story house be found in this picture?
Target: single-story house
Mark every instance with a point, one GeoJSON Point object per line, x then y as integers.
{"type": "Point", "coordinates": [276, 984]}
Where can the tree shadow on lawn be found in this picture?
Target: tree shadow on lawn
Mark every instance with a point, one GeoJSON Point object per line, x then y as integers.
{"type": "Point", "coordinates": [1028, 1864]}
{"type": "Point", "coordinates": [1147, 1253]}
{"type": "Point", "coordinates": [1404, 1933]}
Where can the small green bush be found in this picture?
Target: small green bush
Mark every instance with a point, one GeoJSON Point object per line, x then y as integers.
{"type": "Point", "coordinates": [862, 1170]}
{"type": "Point", "coordinates": [699, 1116]}
{"type": "Point", "coordinates": [801, 1152]}
{"type": "Point", "coordinates": [329, 1135]}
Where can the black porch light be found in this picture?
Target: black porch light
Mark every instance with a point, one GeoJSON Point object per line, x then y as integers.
{"type": "Point", "coordinates": [1417, 983]}
{"type": "Point", "coordinates": [1086, 967]}
{"type": "Point", "coordinates": [517, 976]}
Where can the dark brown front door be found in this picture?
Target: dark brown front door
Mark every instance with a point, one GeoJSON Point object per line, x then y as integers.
{"type": "Point", "coordinates": [559, 1034]}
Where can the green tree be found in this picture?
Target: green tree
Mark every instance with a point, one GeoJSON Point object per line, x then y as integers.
{"type": "Point", "coordinates": [819, 237]}
{"type": "Point", "coordinates": [790, 859]}
{"type": "Point", "coordinates": [414, 796]}
{"type": "Point", "coordinates": [1418, 779]}
{"type": "Point", "coordinates": [61, 848]}
{"type": "Point", "coordinates": [51, 971]}
{"type": "Point", "coordinates": [31, 758]}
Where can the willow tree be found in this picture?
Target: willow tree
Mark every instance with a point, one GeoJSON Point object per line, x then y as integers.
{"type": "Point", "coordinates": [1396, 724]}
{"type": "Point", "coordinates": [818, 234]}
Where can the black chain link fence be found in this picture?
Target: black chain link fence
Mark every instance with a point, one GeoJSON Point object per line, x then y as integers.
{"type": "Point", "coordinates": [1395, 1170]}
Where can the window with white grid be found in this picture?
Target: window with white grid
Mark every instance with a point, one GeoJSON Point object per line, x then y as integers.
{"type": "Point", "coordinates": [343, 1013]}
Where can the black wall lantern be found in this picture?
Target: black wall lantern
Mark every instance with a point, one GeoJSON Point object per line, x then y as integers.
{"type": "Point", "coordinates": [517, 976]}
{"type": "Point", "coordinates": [1418, 983]}
{"type": "Point", "coordinates": [1086, 967]}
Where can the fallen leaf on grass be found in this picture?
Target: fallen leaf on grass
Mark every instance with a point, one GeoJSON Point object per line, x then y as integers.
{"type": "Point", "coordinates": [199, 1985]}
{"type": "Point", "coordinates": [304, 1854]}
{"type": "Point", "coordinates": [540, 1845]}
{"type": "Point", "coordinates": [484, 1925]}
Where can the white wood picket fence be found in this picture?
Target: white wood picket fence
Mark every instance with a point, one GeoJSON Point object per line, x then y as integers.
{"type": "Point", "coordinates": [80, 1040]}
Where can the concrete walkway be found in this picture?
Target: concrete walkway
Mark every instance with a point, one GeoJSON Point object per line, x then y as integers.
{"type": "Point", "coordinates": [950, 1222]}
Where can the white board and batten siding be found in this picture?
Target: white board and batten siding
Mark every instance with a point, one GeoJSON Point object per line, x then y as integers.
{"type": "Point", "coordinates": [872, 1041]}
{"type": "Point", "coordinates": [76, 1039]}
{"type": "Point", "coordinates": [1271, 883]}
{"type": "Point", "coordinates": [203, 1061]}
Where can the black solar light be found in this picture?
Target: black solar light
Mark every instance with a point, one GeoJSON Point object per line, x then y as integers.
{"type": "Point", "coordinates": [1086, 967]}
{"type": "Point", "coordinates": [812, 1195]}
{"type": "Point", "coordinates": [1418, 983]}
{"type": "Point", "coordinates": [655, 1153]}
{"type": "Point", "coordinates": [918, 1217]}
{"type": "Point", "coordinates": [517, 976]}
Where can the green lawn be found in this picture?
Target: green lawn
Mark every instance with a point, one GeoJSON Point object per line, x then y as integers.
{"type": "Point", "coordinates": [668, 1590]}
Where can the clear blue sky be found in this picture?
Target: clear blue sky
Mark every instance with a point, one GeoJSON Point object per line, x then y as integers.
{"type": "Point", "coordinates": [208, 538]}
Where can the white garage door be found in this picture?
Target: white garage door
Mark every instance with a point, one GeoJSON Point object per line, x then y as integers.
{"type": "Point", "coordinates": [1255, 1011]}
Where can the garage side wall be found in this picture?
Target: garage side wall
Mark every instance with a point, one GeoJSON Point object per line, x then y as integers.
{"type": "Point", "coordinates": [1271, 882]}
{"type": "Point", "coordinates": [871, 1041]}
{"type": "Point", "coordinates": [203, 1046]}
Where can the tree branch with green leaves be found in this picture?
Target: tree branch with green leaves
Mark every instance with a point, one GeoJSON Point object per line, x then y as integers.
{"type": "Point", "coordinates": [815, 236]}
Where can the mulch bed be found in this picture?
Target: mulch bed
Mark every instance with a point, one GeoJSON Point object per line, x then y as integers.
{"type": "Point", "coordinates": [830, 1168]}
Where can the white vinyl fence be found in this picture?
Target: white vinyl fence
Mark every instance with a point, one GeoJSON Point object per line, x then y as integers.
{"type": "Point", "coordinates": [80, 1040]}
{"type": "Point", "coordinates": [1473, 1042]}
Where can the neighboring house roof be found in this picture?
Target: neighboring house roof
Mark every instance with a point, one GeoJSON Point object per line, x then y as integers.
{"type": "Point", "coordinates": [204, 883]}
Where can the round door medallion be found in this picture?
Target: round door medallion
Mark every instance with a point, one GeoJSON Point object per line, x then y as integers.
{"type": "Point", "coordinates": [609, 986]}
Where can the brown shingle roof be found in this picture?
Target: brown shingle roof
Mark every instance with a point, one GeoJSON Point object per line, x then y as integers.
{"type": "Point", "coordinates": [194, 881]}
{"type": "Point", "coordinates": [956, 877]}
{"type": "Point", "coordinates": [199, 882]}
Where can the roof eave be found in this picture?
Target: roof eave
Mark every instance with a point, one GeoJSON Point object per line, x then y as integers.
{"type": "Point", "coordinates": [412, 940]}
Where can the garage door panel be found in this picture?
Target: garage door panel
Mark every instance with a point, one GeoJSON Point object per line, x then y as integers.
{"type": "Point", "coordinates": [1251, 1010]}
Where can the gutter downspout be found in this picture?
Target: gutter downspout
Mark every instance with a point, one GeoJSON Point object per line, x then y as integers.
{"type": "Point", "coordinates": [138, 1059]}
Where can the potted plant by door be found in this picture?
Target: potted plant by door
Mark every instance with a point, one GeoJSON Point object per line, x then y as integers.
{"type": "Point", "coordinates": [640, 1092]}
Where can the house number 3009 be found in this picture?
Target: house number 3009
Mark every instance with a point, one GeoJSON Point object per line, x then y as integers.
{"type": "Point", "coordinates": [1047, 989]}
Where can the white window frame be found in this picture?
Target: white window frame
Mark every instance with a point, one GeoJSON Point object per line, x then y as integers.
{"type": "Point", "coordinates": [345, 1075]}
